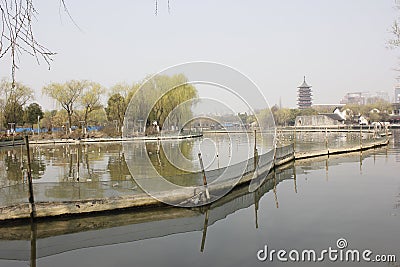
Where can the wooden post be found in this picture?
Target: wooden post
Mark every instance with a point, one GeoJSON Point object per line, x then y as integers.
{"type": "Point", "coordinates": [360, 137]}
{"type": "Point", "coordinates": [31, 197]}
{"type": "Point", "coordinates": [387, 133]}
{"type": "Point", "coordinates": [326, 139]}
{"type": "Point", "coordinates": [77, 162]}
{"type": "Point", "coordinates": [255, 150]}
{"type": "Point", "coordinates": [295, 177]}
{"type": "Point", "coordinates": [204, 176]}
{"type": "Point", "coordinates": [255, 140]}
{"type": "Point", "coordinates": [294, 139]}
{"type": "Point", "coordinates": [373, 136]}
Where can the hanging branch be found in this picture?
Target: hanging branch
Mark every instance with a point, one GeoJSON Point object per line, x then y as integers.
{"type": "Point", "coordinates": [156, 7]}
{"type": "Point", "coordinates": [17, 35]}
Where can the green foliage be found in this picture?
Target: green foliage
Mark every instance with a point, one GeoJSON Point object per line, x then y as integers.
{"type": "Point", "coordinates": [123, 89]}
{"type": "Point", "coordinates": [32, 112]}
{"type": "Point", "coordinates": [286, 117]}
{"type": "Point", "coordinates": [48, 119]}
{"type": "Point", "coordinates": [66, 95]}
{"type": "Point", "coordinates": [243, 117]}
{"type": "Point", "coordinates": [90, 99]}
{"type": "Point", "coordinates": [162, 95]}
{"type": "Point", "coordinates": [174, 91]}
{"type": "Point", "coordinates": [13, 113]}
{"type": "Point", "coordinates": [384, 108]}
{"type": "Point", "coordinates": [115, 110]}
{"type": "Point", "coordinates": [14, 99]}
{"type": "Point", "coordinates": [283, 116]}
{"type": "Point", "coordinates": [97, 117]}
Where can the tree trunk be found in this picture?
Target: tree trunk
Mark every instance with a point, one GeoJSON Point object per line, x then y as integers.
{"type": "Point", "coordinates": [70, 122]}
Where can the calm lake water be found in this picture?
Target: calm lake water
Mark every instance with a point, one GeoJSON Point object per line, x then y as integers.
{"type": "Point", "coordinates": [306, 205]}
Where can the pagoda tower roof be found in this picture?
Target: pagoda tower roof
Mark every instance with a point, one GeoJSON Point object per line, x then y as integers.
{"type": "Point", "coordinates": [304, 84]}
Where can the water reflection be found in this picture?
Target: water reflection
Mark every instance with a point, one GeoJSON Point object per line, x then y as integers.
{"type": "Point", "coordinates": [60, 235]}
{"type": "Point", "coordinates": [53, 237]}
{"type": "Point", "coordinates": [67, 163]}
{"type": "Point", "coordinates": [35, 241]}
{"type": "Point", "coordinates": [107, 162]}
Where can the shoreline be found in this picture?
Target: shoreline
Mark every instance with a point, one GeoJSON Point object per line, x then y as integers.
{"type": "Point", "coordinates": [98, 140]}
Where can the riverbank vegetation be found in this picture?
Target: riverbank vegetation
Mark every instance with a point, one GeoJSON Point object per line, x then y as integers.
{"type": "Point", "coordinates": [85, 105]}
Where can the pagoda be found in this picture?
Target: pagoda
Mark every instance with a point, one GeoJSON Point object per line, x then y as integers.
{"type": "Point", "coordinates": [304, 95]}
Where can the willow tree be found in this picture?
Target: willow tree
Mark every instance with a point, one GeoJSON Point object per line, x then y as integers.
{"type": "Point", "coordinates": [90, 100]}
{"type": "Point", "coordinates": [67, 95]}
{"type": "Point", "coordinates": [160, 98]}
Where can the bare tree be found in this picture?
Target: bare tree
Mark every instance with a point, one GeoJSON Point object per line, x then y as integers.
{"type": "Point", "coordinates": [156, 7]}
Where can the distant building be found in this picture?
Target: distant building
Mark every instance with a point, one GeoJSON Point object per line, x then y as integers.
{"type": "Point", "coordinates": [364, 98]}
{"type": "Point", "coordinates": [362, 120]}
{"type": "Point", "coordinates": [304, 99]}
{"type": "Point", "coordinates": [353, 98]}
{"type": "Point", "coordinates": [397, 94]}
{"type": "Point", "coordinates": [394, 117]}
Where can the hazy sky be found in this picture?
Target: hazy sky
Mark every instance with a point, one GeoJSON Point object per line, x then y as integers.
{"type": "Point", "coordinates": [340, 45]}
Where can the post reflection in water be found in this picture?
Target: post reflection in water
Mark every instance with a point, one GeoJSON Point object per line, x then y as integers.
{"type": "Point", "coordinates": [203, 239]}
{"type": "Point", "coordinates": [294, 177]}
{"type": "Point", "coordinates": [33, 243]}
{"type": "Point", "coordinates": [275, 193]}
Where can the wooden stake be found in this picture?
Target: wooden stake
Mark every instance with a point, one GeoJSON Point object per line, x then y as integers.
{"type": "Point", "coordinates": [294, 139]}
{"type": "Point", "coordinates": [255, 151]}
{"type": "Point", "coordinates": [31, 197]}
{"type": "Point", "coordinates": [204, 176]}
